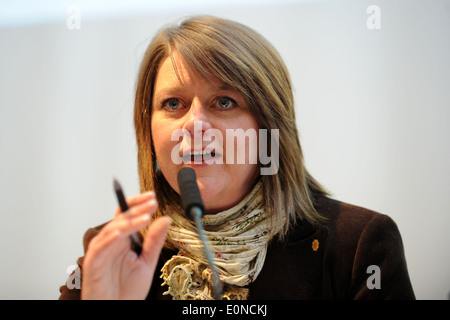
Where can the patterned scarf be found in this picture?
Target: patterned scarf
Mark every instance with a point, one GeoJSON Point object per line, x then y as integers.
{"type": "Point", "coordinates": [238, 236]}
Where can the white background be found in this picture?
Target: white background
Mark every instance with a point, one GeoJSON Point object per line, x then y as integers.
{"type": "Point", "coordinates": [372, 109]}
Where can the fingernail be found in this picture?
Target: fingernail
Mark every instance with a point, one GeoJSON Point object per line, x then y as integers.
{"type": "Point", "coordinates": [144, 218]}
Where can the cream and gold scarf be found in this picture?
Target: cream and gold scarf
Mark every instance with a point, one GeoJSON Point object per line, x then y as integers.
{"type": "Point", "coordinates": [239, 237]}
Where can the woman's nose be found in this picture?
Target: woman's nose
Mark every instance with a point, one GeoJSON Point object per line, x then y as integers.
{"type": "Point", "coordinates": [197, 119]}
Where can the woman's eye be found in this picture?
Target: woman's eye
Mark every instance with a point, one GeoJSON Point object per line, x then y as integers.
{"type": "Point", "coordinates": [225, 103]}
{"type": "Point", "coordinates": [171, 103]}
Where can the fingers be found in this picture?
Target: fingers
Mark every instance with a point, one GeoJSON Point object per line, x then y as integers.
{"type": "Point", "coordinates": [137, 200]}
{"type": "Point", "coordinates": [153, 242]}
{"type": "Point", "coordinates": [109, 259]}
{"type": "Point", "coordinates": [114, 237]}
{"type": "Point", "coordinates": [123, 225]}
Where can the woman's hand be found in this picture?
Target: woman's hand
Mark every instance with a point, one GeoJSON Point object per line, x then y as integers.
{"type": "Point", "coordinates": [111, 270]}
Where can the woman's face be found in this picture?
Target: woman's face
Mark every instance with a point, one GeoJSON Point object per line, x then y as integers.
{"type": "Point", "coordinates": [190, 118]}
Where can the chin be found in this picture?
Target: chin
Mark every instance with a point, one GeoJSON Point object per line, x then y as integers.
{"type": "Point", "coordinates": [214, 194]}
{"type": "Point", "coordinates": [209, 187]}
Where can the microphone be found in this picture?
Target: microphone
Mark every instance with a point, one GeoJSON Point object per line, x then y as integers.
{"type": "Point", "coordinates": [192, 204]}
{"type": "Point", "coordinates": [191, 199]}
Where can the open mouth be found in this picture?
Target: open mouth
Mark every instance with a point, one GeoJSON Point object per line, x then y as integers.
{"type": "Point", "coordinates": [199, 157]}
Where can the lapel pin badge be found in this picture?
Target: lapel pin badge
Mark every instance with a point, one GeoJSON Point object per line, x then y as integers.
{"type": "Point", "coordinates": [315, 245]}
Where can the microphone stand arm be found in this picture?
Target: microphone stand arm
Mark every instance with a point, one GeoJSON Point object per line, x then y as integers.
{"type": "Point", "coordinates": [197, 214]}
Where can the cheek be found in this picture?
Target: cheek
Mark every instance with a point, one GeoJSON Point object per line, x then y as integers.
{"type": "Point", "coordinates": [161, 137]}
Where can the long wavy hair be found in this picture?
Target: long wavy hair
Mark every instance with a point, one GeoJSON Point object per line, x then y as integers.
{"type": "Point", "coordinates": [242, 59]}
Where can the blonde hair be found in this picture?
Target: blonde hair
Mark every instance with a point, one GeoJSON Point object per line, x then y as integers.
{"type": "Point", "coordinates": [242, 59]}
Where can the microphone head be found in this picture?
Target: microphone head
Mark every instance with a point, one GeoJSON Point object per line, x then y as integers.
{"type": "Point", "coordinates": [189, 192]}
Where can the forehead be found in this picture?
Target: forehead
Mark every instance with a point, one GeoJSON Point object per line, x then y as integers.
{"type": "Point", "coordinates": [173, 68]}
{"type": "Point", "coordinates": [174, 72]}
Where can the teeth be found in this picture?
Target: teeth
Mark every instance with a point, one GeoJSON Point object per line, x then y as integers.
{"type": "Point", "coordinates": [197, 156]}
{"type": "Point", "coordinates": [199, 153]}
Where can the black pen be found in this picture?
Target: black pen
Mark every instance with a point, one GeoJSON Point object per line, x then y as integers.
{"type": "Point", "coordinates": [136, 245]}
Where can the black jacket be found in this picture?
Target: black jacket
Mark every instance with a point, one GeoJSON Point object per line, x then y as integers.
{"type": "Point", "coordinates": [356, 254]}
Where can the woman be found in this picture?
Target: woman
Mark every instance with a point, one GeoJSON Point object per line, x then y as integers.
{"type": "Point", "coordinates": [206, 89]}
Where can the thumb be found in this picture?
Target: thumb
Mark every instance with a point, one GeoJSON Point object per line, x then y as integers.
{"type": "Point", "coordinates": [154, 240]}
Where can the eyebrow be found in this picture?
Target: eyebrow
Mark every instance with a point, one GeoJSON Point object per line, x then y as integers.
{"type": "Point", "coordinates": [181, 88]}
{"type": "Point", "coordinates": [169, 90]}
